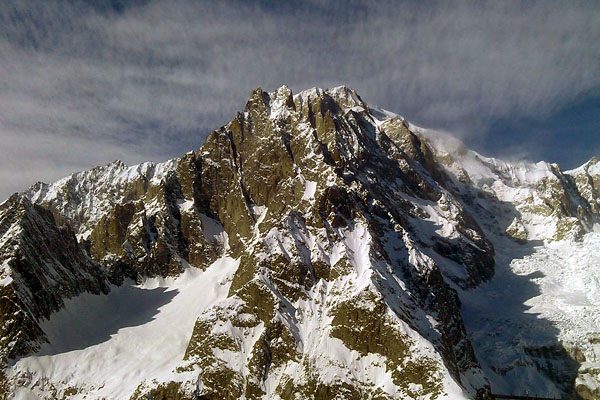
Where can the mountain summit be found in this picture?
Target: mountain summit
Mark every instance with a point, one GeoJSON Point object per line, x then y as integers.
{"type": "Point", "coordinates": [312, 248]}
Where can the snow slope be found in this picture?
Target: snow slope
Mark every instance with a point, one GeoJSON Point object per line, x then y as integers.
{"type": "Point", "coordinates": [543, 299]}
{"type": "Point", "coordinates": [109, 344]}
{"type": "Point", "coordinates": [535, 324]}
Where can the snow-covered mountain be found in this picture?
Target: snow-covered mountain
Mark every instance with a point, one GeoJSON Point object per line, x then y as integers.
{"type": "Point", "coordinates": [313, 248]}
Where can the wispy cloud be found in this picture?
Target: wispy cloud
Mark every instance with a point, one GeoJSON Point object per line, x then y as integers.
{"type": "Point", "coordinates": [82, 84]}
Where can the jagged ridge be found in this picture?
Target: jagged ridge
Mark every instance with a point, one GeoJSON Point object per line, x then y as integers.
{"type": "Point", "coordinates": [353, 231]}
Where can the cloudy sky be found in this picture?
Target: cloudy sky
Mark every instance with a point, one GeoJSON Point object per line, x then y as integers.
{"type": "Point", "coordinates": [87, 82]}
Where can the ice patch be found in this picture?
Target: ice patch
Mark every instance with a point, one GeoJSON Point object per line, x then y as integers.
{"type": "Point", "coordinates": [310, 187]}
{"type": "Point", "coordinates": [5, 281]}
{"type": "Point", "coordinates": [185, 205]}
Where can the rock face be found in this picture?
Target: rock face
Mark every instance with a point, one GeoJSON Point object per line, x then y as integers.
{"type": "Point", "coordinates": [326, 205]}
{"type": "Point", "coordinates": [42, 265]}
{"type": "Point", "coordinates": [356, 235]}
{"type": "Point", "coordinates": [146, 220]}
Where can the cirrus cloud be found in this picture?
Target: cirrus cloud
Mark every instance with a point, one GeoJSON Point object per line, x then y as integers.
{"type": "Point", "coordinates": [83, 83]}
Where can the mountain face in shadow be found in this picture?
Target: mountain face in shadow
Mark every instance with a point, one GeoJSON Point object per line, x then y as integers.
{"type": "Point", "coordinates": [92, 319]}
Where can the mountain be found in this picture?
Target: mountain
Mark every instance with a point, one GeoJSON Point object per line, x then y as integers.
{"type": "Point", "coordinates": [313, 247]}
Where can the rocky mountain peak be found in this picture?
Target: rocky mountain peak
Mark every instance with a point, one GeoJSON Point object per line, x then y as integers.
{"type": "Point", "coordinates": [350, 233]}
